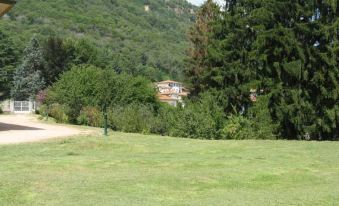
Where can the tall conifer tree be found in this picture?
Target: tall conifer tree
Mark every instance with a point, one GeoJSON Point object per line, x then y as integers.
{"type": "Point", "coordinates": [200, 37]}
{"type": "Point", "coordinates": [28, 80]}
{"type": "Point", "coordinates": [8, 58]}
{"type": "Point", "coordinates": [287, 48]}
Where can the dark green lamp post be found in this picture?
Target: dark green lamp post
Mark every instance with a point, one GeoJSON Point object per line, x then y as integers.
{"type": "Point", "coordinates": [106, 97]}
{"type": "Point", "coordinates": [105, 120]}
{"type": "Point", "coordinates": [5, 6]}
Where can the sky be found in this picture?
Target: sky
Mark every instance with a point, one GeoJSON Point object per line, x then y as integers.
{"type": "Point", "coordinates": [199, 2]}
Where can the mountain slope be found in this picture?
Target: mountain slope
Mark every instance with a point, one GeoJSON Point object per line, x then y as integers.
{"type": "Point", "coordinates": [135, 39]}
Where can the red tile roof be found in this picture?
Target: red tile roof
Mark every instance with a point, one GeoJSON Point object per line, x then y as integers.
{"type": "Point", "coordinates": [165, 97]}
{"type": "Point", "coordinates": [168, 81]}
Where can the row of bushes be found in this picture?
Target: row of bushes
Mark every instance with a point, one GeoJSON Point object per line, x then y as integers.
{"type": "Point", "coordinates": [81, 94]}
{"type": "Point", "coordinates": [202, 119]}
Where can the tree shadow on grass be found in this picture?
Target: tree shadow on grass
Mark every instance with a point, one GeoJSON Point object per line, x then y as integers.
{"type": "Point", "coordinates": [14, 127]}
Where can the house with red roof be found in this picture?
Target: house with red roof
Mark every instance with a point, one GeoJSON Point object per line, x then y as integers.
{"type": "Point", "coordinates": [171, 92]}
{"type": "Point", "coordinates": [5, 6]}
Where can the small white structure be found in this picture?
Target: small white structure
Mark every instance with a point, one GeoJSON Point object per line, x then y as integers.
{"type": "Point", "coordinates": [169, 86]}
{"type": "Point", "coordinates": [18, 107]}
{"type": "Point", "coordinates": [146, 7]}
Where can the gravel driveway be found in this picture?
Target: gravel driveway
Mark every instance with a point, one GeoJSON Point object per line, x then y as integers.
{"type": "Point", "coordinates": [26, 128]}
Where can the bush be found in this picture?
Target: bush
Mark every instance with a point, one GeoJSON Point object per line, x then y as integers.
{"type": "Point", "coordinates": [163, 120]}
{"type": "Point", "coordinates": [262, 123]}
{"type": "Point", "coordinates": [190, 123]}
{"type": "Point", "coordinates": [132, 118]}
{"type": "Point", "coordinates": [90, 116]}
{"type": "Point", "coordinates": [59, 113]}
{"type": "Point", "coordinates": [43, 110]}
{"type": "Point", "coordinates": [256, 123]}
{"type": "Point", "coordinates": [238, 127]}
{"type": "Point", "coordinates": [202, 118]}
{"type": "Point", "coordinates": [80, 94]}
{"type": "Point", "coordinates": [89, 86]}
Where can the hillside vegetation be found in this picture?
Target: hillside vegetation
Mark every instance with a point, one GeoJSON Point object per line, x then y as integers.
{"type": "Point", "coordinates": [125, 34]}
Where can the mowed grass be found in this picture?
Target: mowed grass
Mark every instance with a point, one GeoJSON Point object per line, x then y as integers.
{"type": "Point", "coordinates": [132, 169]}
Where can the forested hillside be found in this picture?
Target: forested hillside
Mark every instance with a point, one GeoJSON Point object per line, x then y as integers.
{"type": "Point", "coordinates": [127, 37]}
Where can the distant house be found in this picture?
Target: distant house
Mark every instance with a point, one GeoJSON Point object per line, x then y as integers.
{"type": "Point", "coordinates": [171, 92]}
{"type": "Point", "coordinates": [5, 6]}
{"type": "Point", "coordinates": [147, 6]}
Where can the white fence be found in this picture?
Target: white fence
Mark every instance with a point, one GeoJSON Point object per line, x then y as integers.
{"type": "Point", "coordinates": [18, 107]}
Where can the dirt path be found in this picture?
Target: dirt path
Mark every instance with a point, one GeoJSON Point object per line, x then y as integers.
{"type": "Point", "coordinates": [26, 128]}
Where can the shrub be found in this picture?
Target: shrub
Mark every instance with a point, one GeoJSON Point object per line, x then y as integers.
{"type": "Point", "coordinates": [85, 86]}
{"type": "Point", "coordinates": [43, 110]}
{"type": "Point", "coordinates": [256, 123]}
{"type": "Point", "coordinates": [132, 118]}
{"type": "Point", "coordinates": [194, 124]}
{"type": "Point", "coordinates": [163, 120]}
{"type": "Point", "coordinates": [262, 123]}
{"type": "Point", "coordinates": [90, 116]}
{"type": "Point", "coordinates": [59, 113]}
{"type": "Point", "coordinates": [238, 127]}
{"type": "Point", "coordinates": [202, 118]}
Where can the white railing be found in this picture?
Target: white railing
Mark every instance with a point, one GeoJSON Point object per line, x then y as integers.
{"type": "Point", "coordinates": [21, 106]}
{"type": "Point", "coordinates": [18, 106]}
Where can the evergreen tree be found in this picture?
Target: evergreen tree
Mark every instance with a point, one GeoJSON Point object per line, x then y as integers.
{"type": "Point", "coordinates": [287, 48]}
{"type": "Point", "coordinates": [28, 80]}
{"type": "Point", "coordinates": [8, 58]}
{"type": "Point", "coordinates": [226, 70]}
{"type": "Point", "coordinates": [306, 101]}
{"type": "Point", "coordinates": [56, 58]}
{"type": "Point", "coordinates": [199, 36]}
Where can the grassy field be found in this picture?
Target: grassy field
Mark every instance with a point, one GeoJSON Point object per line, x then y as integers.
{"type": "Point", "coordinates": [131, 169]}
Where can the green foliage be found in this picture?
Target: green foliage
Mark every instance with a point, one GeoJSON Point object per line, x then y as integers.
{"type": "Point", "coordinates": [84, 86]}
{"type": "Point", "coordinates": [191, 123]}
{"type": "Point", "coordinates": [200, 36]}
{"type": "Point", "coordinates": [256, 124]}
{"type": "Point", "coordinates": [90, 116]}
{"type": "Point", "coordinates": [291, 53]}
{"type": "Point", "coordinates": [262, 124]}
{"type": "Point", "coordinates": [56, 57]}
{"type": "Point", "coordinates": [124, 34]}
{"type": "Point", "coordinates": [81, 51]}
{"type": "Point", "coordinates": [28, 80]}
{"type": "Point", "coordinates": [43, 111]}
{"type": "Point", "coordinates": [132, 118]}
{"type": "Point", "coordinates": [8, 60]}
{"type": "Point", "coordinates": [59, 112]}
{"type": "Point", "coordinates": [238, 127]}
{"type": "Point", "coordinates": [201, 118]}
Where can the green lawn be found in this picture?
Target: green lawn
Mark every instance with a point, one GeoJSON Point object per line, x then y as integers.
{"type": "Point", "coordinates": [131, 169]}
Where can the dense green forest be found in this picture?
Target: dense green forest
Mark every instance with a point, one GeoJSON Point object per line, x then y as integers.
{"type": "Point", "coordinates": [127, 37]}
{"type": "Point", "coordinates": [256, 69]}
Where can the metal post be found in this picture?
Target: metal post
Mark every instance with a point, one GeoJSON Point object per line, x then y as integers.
{"type": "Point", "coordinates": [105, 121]}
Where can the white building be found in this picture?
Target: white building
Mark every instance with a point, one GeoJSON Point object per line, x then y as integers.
{"type": "Point", "coordinates": [171, 92]}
